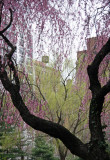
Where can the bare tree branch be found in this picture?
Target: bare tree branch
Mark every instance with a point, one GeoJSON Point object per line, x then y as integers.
{"type": "Point", "coordinates": [94, 67]}
{"type": "Point", "coordinates": [105, 89]}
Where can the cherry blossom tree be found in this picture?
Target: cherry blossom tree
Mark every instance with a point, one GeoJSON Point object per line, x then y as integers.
{"type": "Point", "coordinates": [60, 34]}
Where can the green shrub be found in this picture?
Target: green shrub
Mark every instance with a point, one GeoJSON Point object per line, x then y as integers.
{"type": "Point", "coordinates": [43, 150]}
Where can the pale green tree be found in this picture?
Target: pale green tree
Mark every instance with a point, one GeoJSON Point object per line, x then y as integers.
{"type": "Point", "coordinates": [62, 99]}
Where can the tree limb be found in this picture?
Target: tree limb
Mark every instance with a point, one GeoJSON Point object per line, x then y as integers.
{"type": "Point", "coordinates": [105, 89]}
{"type": "Point", "coordinates": [11, 19]}
{"type": "Point", "coordinates": [98, 94]}
{"type": "Point", "coordinates": [53, 129]}
{"type": "Point", "coordinates": [94, 67]}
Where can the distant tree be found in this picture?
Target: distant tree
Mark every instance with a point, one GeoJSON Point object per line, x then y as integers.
{"type": "Point", "coordinates": [43, 150]}
{"type": "Point", "coordinates": [9, 141]}
{"type": "Point", "coordinates": [62, 98]}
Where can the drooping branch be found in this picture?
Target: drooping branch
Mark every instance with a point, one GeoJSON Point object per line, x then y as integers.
{"type": "Point", "coordinates": [1, 7]}
{"type": "Point", "coordinates": [8, 56]}
{"type": "Point", "coordinates": [11, 19]}
{"type": "Point", "coordinates": [10, 62]}
{"type": "Point", "coordinates": [13, 48]}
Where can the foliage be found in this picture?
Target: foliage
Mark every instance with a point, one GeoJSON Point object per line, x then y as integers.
{"type": "Point", "coordinates": [77, 158]}
{"type": "Point", "coordinates": [61, 95]}
{"type": "Point", "coordinates": [108, 149]}
{"type": "Point", "coordinates": [62, 99]}
{"type": "Point", "coordinates": [9, 142]}
{"type": "Point", "coordinates": [43, 150]}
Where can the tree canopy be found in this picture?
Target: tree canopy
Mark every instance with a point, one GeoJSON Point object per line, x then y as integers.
{"type": "Point", "coordinates": [55, 20]}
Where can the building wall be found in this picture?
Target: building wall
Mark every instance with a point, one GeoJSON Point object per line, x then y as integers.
{"type": "Point", "coordinates": [85, 57]}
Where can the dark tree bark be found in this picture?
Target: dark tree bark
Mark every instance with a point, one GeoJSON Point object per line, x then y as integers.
{"type": "Point", "coordinates": [62, 151]}
{"type": "Point", "coordinates": [22, 157]}
{"type": "Point", "coordinates": [62, 155]}
{"type": "Point", "coordinates": [96, 148]}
